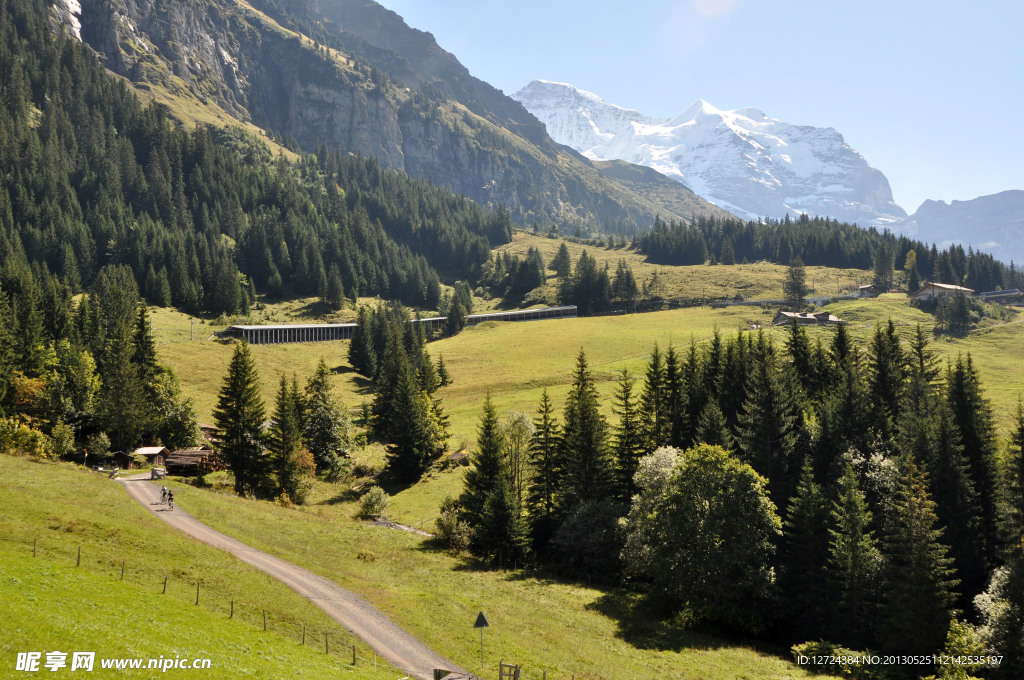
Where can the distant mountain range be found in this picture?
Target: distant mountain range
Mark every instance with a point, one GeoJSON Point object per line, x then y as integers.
{"type": "Point", "coordinates": [756, 166]}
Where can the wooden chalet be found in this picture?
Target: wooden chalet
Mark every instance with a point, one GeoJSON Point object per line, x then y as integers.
{"type": "Point", "coordinates": [154, 455]}
{"type": "Point", "coordinates": [935, 291]}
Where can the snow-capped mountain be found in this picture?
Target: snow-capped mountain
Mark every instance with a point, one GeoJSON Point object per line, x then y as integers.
{"type": "Point", "coordinates": [740, 160]}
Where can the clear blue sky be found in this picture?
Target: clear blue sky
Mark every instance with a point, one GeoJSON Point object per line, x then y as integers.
{"type": "Point", "coordinates": [929, 92]}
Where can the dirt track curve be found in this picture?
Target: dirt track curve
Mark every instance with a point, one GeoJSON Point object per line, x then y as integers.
{"type": "Point", "coordinates": [351, 611]}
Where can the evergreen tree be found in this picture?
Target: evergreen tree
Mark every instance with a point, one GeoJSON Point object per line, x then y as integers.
{"type": "Point", "coordinates": [766, 429]}
{"type": "Point", "coordinates": [502, 534]}
{"type": "Point", "coordinates": [805, 554]}
{"type": "Point", "coordinates": [628, 445]}
{"type": "Point", "coordinates": [853, 566]}
{"type": "Point", "coordinates": [561, 263]}
{"type": "Point", "coordinates": [361, 352]}
{"type": "Point", "coordinates": [973, 419]}
{"type": "Point", "coordinates": [886, 374]}
{"type": "Point", "coordinates": [544, 449]}
{"type": "Point", "coordinates": [794, 288]}
{"type": "Point", "coordinates": [456, 320]}
{"type": "Point", "coordinates": [652, 403]}
{"type": "Point", "coordinates": [335, 290]}
{"type": "Point", "coordinates": [918, 580]}
{"type": "Point", "coordinates": [487, 467]}
{"type": "Point", "coordinates": [587, 472]}
{"type": "Point", "coordinates": [285, 443]}
{"type": "Point", "coordinates": [417, 432]}
{"type": "Point", "coordinates": [712, 428]}
{"type": "Point", "coordinates": [239, 417]}
{"type": "Point", "coordinates": [1013, 518]}
{"type": "Point", "coordinates": [325, 427]}
{"type": "Point", "coordinates": [443, 377]}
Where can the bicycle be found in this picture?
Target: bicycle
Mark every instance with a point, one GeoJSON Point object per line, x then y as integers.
{"type": "Point", "coordinates": [170, 501]}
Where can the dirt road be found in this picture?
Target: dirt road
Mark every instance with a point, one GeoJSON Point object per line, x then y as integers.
{"type": "Point", "coordinates": [351, 611]}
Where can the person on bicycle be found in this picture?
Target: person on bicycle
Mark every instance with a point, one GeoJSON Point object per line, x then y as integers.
{"type": "Point", "coordinates": [170, 500]}
{"type": "Point", "coordinates": [163, 495]}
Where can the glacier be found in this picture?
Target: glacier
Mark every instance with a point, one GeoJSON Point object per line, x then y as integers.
{"type": "Point", "coordinates": [741, 160]}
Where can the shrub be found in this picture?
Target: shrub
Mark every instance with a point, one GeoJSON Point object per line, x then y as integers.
{"type": "Point", "coordinates": [374, 504]}
{"type": "Point", "coordinates": [452, 531]}
{"type": "Point", "coordinates": [19, 439]}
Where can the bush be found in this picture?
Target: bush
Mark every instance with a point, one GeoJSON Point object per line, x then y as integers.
{"type": "Point", "coordinates": [374, 504]}
{"type": "Point", "coordinates": [19, 439]}
{"type": "Point", "coordinates": [452, 531]}
{"type": "Point", "coordinates": [809, 650]}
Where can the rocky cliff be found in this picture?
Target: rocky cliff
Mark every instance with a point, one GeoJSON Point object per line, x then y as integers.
{"type": "Point", "coordinates": [353, 76]}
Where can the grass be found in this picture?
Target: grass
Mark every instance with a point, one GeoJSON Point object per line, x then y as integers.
{"type": "Point", "coordinates": [760, 280]}
{"type": "Point", "coordinates": [47, 603]}
{"type": "Point", "coordinates": [544, 625]}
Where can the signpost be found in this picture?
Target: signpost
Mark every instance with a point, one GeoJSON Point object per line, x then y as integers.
{"type": "Point", "coordinates": [481, 623]}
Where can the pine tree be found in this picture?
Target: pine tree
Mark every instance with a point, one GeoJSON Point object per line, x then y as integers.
{"type": "Point", "coordinates": [886, 374]}
{"type": "Point", "coordinates": [587, 472]}
{"type": "Point", "coordinates": [417, 433]}
{"type": "Point", "coordinates": [361, 353]}
{"type": "Point", "coordinates": [628, 445]}
{"type": "Point", "coordinates": [766, 429]}
{"type": "Point", "coordinates": [805, 555]}
{"type": "Point", "coordinates": [853, 566]}
{"type": "Point", "coordinates": [561, 263]}
{"type": "Point", "coordinates": [973, 419]}
{"type": "Point", "coordinates": [443, 376]}
{"type": "Point", "coordinates": [239, 417]}
{"type": "Point", "coordinates": [502, 534]}
{"type": "Point", "coordinates": [293, 464]}
{"type": "Point", "coordinates": [918, 580]}
{"type": "Point", "coordinates": [544, 449]}
{"type": "Point", "coordinates": [652, 403]}
{"type": "Point", "coordinates": [794, 288]}
{"type": "Point", "coordinates": [335, 290]}
{"type": "Point", "coordinates": [712, 428]}
{"type": "Point", "coordinates": [487, 466]}
{"type": "Point", "coordinates": [325, 422]}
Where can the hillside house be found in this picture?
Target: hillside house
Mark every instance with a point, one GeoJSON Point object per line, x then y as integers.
{"type": "Point", "coordinates": [807, 319]}
{"type": "Point", "coordinates": [930, 292]}
{"type": "Point", "coordinates": [154, 455]}
{"type": "Point", "coordinates": [869, 291]}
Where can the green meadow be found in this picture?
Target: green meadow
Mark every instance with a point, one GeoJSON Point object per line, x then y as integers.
{"type": "Point", "coordinates": [58, 601]}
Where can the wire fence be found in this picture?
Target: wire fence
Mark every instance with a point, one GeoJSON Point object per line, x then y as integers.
{"type": "Point", "coordinates": [335, 641]}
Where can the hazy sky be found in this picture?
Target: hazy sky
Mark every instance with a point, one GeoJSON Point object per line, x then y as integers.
{"type": "Point", "coordinates": [931, 93]}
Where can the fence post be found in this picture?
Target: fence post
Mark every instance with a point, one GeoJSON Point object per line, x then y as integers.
{"type": "Point", "coordinates": [122, 570]}
{"type": "Point", "coordinates": [326, 644]}
{"type": "Point", "coordinates": [165, 586]}
{"type": "Point", "coordinates": [232, 610]}
{"type": "Point", "coordinates": [78, 562]}
{"type": "Point", "coordinates": [303, 634]}
{"type": "Point", "coordinates": [34, 541]}
{"type": "Point", "coordinates": [353, 655]}
{"type": "Point", "coordinates": [197, 593]}
{"type": "Point", "coordinates": [264, 619]}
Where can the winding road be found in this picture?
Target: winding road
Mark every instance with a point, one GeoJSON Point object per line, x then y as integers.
{"type": "Point", "coordinates": [351, 611]}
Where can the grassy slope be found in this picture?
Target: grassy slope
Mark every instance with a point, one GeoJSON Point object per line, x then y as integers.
{"type": "Point", "coordinates": [543, 625]}
{"type": "Point", "coordinates": [47, 604]}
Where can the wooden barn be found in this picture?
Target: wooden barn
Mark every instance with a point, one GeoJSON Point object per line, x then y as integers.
{"type": "Point", "coordinates": [191, 462]}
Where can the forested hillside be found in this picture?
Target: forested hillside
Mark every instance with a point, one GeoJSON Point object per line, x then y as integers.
{"type": "Point", "coordinates": [91, 177]}
{"type": "Point", "coordinates": [824, 242]}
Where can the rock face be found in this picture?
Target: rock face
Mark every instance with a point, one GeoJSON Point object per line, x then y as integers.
{"type": "Point", "coordinates": [741, 160]}
{"type": "Point", "coordinates": [994, 224]}
{"type": "Point", "coordinates": [353, 76]}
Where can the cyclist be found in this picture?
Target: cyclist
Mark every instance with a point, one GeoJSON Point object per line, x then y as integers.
{"type": "Point", "coordinates": [163, 495]}
{"type": "Point", "coordinates": [170, 500]}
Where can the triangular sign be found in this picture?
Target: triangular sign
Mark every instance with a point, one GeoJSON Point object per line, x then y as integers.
{"type": "Point", "coordinates": [481, 622]}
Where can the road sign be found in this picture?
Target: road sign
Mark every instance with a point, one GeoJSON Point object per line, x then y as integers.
{"type": "Point", "coordinates": [481, 622]}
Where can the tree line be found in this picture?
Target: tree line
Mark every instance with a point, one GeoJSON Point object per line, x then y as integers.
{"type": "Point", "coordinates": [857, 495]}
{"type": "Point", "coordinates": [84, 375]}
{"type": "Point", "coordinates": [819, 241]}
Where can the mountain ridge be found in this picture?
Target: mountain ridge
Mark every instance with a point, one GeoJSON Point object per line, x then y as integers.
{"type": "Point", "coordinates": [741, 160]}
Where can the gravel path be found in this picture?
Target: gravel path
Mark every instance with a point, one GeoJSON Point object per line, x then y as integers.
{"type": "Point", "coordinates": [351, 611]}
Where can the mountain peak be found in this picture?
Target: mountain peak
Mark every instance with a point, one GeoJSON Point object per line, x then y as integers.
{"type": "Point", "coordinates": [741, 160]}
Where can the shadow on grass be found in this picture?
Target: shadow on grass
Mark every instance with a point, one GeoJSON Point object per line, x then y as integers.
{"type": "Point", "coordinates": [645, 624]}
